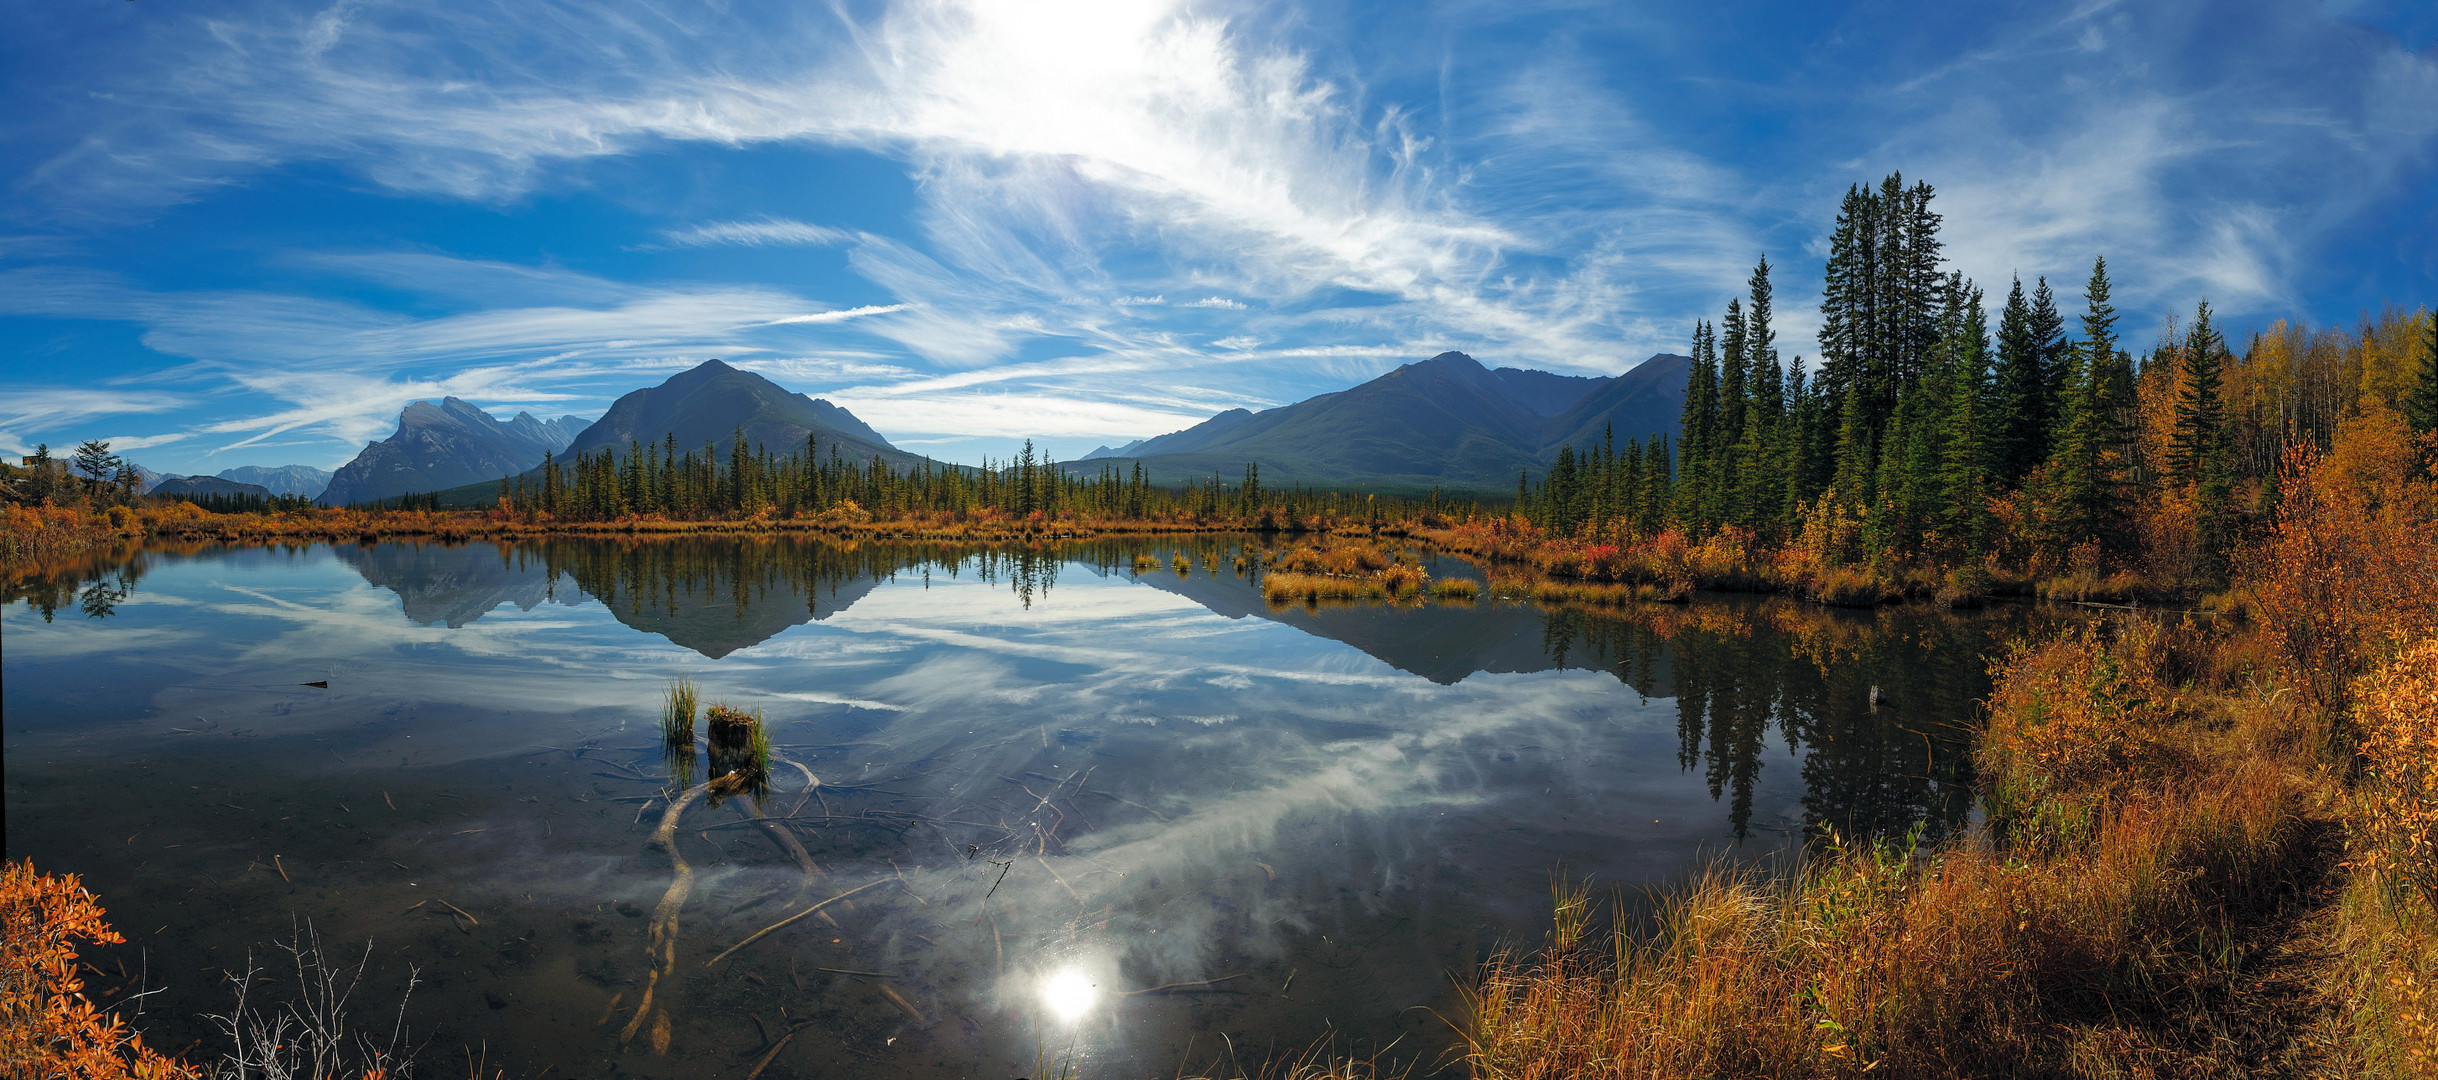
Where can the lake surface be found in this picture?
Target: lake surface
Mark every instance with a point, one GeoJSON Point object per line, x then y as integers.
{"type": "Point", "coordinates": [1119, 821]}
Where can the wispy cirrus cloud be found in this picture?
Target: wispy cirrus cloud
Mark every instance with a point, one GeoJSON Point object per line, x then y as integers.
{"type": "Point", "coordinates": [766, 232]}
{"type": "Point", "coordinates": [25, 407]}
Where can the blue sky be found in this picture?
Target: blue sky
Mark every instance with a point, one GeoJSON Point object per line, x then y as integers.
{"type": "Point", "coordinates": [250, 233]}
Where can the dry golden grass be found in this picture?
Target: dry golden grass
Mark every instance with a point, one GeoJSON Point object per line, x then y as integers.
{"type": "Point", "coordinates": [1342, 568]}
{"type": "Point", "coordinates": [2101, 926]}
{"type": "Point", "coordinates": [33, 535]}
{"type": "Point", "coordinates": [1289, 587]}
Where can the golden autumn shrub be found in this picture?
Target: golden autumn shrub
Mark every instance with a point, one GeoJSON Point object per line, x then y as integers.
{"type": "Point", "coordinates": [2076, 719]}
{"type": "Point", "coordinates": [47, 1027]}
{"type": "Point", "coordinates": [2397, 818]}
{"type": "Point", "coordinates": [2351, 570]}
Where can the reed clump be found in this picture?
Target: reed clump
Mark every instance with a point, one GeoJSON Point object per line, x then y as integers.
{"type": "Point", "coordinates": [1144, 564]}
{"type": "Point", "coordinates": [677, 712]}
{"type": "Point", "coordinates": [1455, 589]}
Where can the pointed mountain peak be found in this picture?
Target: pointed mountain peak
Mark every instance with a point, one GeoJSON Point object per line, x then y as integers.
{"type": "Point", "coordinates": [1454, 359]}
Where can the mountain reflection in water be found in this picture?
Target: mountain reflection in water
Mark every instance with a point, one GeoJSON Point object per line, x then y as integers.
{"type": "Point", "coordinates": [1129, 810]}
{"type": "Point", "coordinates": [1741, 671]}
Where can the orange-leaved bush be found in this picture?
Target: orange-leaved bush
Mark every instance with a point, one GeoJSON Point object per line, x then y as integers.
{"type": "Point", "coordinates": [2397, 720]}
{"type": "Point", "coordinates": [47, 1027]}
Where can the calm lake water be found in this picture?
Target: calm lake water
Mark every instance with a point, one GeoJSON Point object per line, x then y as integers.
{"type": "Point", "coordinates": [1203, 821]}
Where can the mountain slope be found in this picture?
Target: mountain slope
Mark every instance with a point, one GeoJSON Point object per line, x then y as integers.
{"type": "Point", "coordinates": [706, 406]}
{"type": "Point", "coordinates": [1446, 422]}
{"type": "Point", "coordinates": [1647, 400]}
{"type": "Point", "coordinates": [443, 446]}
{"type": "Point", "coordinates": [302, 480]}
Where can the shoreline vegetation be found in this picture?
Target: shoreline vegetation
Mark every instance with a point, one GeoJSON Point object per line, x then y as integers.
{"type": "Point", "coordinates": [2210, 849]}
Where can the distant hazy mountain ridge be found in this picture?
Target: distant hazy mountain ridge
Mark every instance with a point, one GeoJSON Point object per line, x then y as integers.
{"type": "Point", "coordinates": [1446, 422]}
{"type": "Point", "coordinates": [1112, 451]}
{"type": "Point", "coordinates": [302, 480]}
{"type": "Point", "coordinates": [445, 445]}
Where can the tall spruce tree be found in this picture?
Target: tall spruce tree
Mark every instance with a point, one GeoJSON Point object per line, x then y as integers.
{"type": "Point", "coordinates": [2198, 439]}
{"type": "Point", "coordinates": [2017, 420]}
{"type": "Point", "coordinates": [1698, 429]}
{"type": "Point", "coordinates": [2056, 362]}
{"type": "Point", "coordinates": [2198, 452]}
{"type": "Point", "coordinates": [1761, 446]}
{"type": "Point", "coordinates": [1846, 311]}
{"type": "Point", "coordinates": [2087, 468]}
{"type": "Point", "coordinates": [1964, 464]}
{"type": "Point", "coordinates": [2421, 399]}
{"type": "Point", "coordinates": [1880, 296]}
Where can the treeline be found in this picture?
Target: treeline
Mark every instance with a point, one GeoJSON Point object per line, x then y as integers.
{"type": "Point", "coordinates": [1924, 438]}
{"type": "Point", "coordinates": [754, 482]}
{"type": "Point", "coordinates": [247, 503]}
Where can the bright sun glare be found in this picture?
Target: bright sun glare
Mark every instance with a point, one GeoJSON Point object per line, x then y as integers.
{"type": "Point", "coordinates": [1069, 994]}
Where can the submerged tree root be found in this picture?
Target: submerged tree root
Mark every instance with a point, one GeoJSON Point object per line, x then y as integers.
{"type": "Point", "coordinates": [662, 948]}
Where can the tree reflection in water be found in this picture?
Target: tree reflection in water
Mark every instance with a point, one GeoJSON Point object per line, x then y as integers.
{"type": "Point", "coordinates": [1745, 673]}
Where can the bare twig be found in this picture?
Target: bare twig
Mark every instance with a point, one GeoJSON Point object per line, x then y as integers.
{"type": "Point", "coordinates": [775, 927]}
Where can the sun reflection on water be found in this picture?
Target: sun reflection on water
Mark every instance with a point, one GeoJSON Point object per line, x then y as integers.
{"type": "Point", "coordinates": [1069, 994]}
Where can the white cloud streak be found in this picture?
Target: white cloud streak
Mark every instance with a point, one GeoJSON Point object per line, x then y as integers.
{"type": "Point", "coordinates": [767, 232]}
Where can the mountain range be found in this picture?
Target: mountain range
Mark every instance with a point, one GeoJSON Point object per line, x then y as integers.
{"type": "Point", "coordinates": [446, 445]}
{"type": "Point", "coordinates": [707, 405]}
{"type": "Point", "coordinates": [302, 480]}
{"type": "Point", "coordinates": [1446, 422]}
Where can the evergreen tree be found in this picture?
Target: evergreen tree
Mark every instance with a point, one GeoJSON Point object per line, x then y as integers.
{"type": "Point", "coordinates": [1847, 315]}
{"type": "Point", "coordinates": [1959, 460]}
{"type": "Point", "coordinates": [2088, 465]}
{"type": "Point", "coordinates": [2056, 362]}
{"type": "Point", "coordinates": [1733, 369]}
{"type": "Point", "coordinates": [2018, 423]}
{"type": "Point", "coordinates": [1698, 427]}
{"type": "Point", "coordinates": [94, 459]}
{"type": "Point", "coordinates": [1760, 447]}
{"type": "Point", "coordinates": [2198, 453]}
{"type": "Point", "coordinates": [2198, 440]}
{"type": "Point", "coordinates": [2421, 399]}
{"type": "Point", "coordinates": [1880, 296]}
